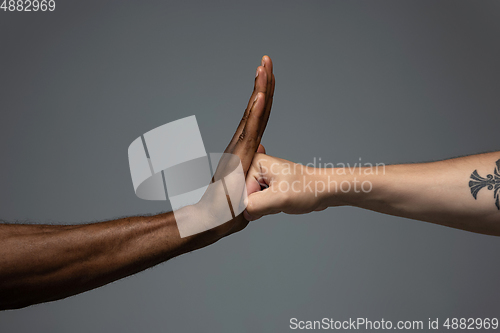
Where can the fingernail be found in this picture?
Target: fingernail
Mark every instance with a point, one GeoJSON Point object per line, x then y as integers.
{"type": "Point", "coordinates": [262, 63]}
{"type": "Point", "coordinates": [257, 73]}
{"type": "Point", "coordinates": [256, 97]}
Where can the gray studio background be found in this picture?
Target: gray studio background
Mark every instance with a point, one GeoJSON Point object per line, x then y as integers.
{"type": "Point", "coordinates": [390, 82]}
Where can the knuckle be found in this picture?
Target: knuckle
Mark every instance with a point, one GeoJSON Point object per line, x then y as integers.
{"type": "Point", "coordinates": [251, 208]}
{"type": "Point", "coordinates": [242, 136]}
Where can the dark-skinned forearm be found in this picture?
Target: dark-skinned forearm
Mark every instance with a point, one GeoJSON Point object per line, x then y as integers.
{"type": "Point", "coordinates": [40, 263]}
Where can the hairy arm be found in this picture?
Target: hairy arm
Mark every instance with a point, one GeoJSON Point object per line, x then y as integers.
{"type": "Point", "coordinates": [460, 193]}
{"type": "Point", "coordinates": [40, 263]}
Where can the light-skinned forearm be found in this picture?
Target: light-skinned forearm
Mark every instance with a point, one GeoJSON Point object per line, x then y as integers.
{"type": "Point", "coordinates": [436, 192]}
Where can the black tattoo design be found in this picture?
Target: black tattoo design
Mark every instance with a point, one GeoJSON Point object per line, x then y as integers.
{"type": "Point", "coordinates": [491, 181]}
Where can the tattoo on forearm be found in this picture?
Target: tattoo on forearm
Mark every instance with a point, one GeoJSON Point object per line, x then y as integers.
{"type": "Point", "coordinates": [491, 181]}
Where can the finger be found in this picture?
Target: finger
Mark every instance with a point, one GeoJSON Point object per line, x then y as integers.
{"type": "Point", "coordinates": [249, 139]}
{"type": "Point", "coordinates": [260, 86]}
{"type": "Point", "coordinates": [252, 184]}
{"type": "Point", "coordinates": [268, 65]}
{"type": "Point", "coordinates": [263, 83]}
{"type": "Point", "coordinates": [261, 149]}
{"type": "Point", "coordinates": [254, 180]}
{"type": "Point", "coordinates": [262, 203]}
{"type": "Point", "coordinates": [269, 104]}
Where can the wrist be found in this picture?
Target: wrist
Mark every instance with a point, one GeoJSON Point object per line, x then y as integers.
{"type": "Point", "coordinates": [211, 222]}
{"type": "Point", "coordinates": [184, 218]}
{"type": "Point", "coordinates": [346, 186]}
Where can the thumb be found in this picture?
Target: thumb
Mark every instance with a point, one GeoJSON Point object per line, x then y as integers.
{"type": "Point", "coordinates": [262, 203]}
